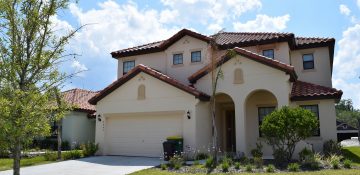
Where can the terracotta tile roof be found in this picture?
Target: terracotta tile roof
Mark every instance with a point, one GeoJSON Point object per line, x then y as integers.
{"type": "Point", "coordinates": [79, 98]}
{"type": "Point", "coordinates": [229, 40]}
{"type": "Point", "coordinates": [241, 39]}
{"type": "Point", "coordinates": [152, 72]}
{"type": "Point", "coordinates": [159, 45]}
{"type": "Point", "coordinates": [302, 42]}
{"type": "Point", "coordinates": [248, 54]}
{"type": "Point", "coordinates": [307, 91]}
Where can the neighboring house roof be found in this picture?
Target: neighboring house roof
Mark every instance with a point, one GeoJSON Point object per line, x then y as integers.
{"type": "Point", "coordinates": [79, 98]}
{"type": "Point", "coordinates": [342, 126]}
{"type": "Point", "coordinates": [248, 54]}
{"type": "Point", "coordinates": [229, 40]}
{"type": "Point", "coordinates": [307, 91]}
{"type": "Point", "coordinates": [152, 72]}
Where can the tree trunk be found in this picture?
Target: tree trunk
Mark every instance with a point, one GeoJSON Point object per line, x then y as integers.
{"type": "Point", "coordinates": [59, 128]}
{"type": "Point", "coordinates": [17, 157]}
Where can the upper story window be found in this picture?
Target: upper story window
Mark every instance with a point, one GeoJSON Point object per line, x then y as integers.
{"type": "Point", "coordinates": [269, 53]}
{"type": "Point", "coordinates": [127, 66]}
{"type": "Point", "coordinates": [308, 61]}
{"type": "Point", "coordinates": [178, 58]}
{"type": "Point", "coordinates": [262, 113]}
{"type": "Point", "coordinates": [315, 110]}
{"type": "Point", "coordinates": [196, 56]}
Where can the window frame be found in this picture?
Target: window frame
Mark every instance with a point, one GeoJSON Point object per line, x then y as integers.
{"type": "Point", "coordinates": [311, 61]}
{"type": "Point", "coordinates": [317, 114]}
{"type": "Point", "coordinates": [273, 53]}
{"type": "Point", "coordinates": [182, 58]}
{"type": "Point", "coordinates": [124, 64]}
{"type": "Point", "coordinates": [199, 58]}
{"type": "Point", "coordinates": [259, 120]}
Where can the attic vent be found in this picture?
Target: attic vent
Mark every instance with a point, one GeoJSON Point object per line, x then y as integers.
{"type": "Point", "coordinates": [238, 76]}
{"type": "Point", "coordinates": [141, 92]}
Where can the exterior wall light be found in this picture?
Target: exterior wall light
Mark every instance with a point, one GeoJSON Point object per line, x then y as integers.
{"type": "Point", "coordinates": [188, 114]}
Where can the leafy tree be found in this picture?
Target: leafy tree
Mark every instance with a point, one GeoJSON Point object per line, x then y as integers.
{"type": "Point", "coordinates": [285, 127]}
{"type": "Point", "coordinates": [346, 112]}
{"type": "Point", "coordinates": [30, 54]}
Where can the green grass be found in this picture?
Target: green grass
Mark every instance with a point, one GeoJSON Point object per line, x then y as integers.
{"type": "Point", "coordinates": [353, 154]}
{"type": "Point", "coordinates": [7, 164]}
{"type": "Point", "coordinates": [153, 171]}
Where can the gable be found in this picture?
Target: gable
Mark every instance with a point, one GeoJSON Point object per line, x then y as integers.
{"type": "Point", "coordinates": [275, 64]}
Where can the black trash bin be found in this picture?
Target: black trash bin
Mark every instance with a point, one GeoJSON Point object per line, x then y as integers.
{"type": "Point", "coordinates": [169, 150]}
{"type": "Point", "coordinates": [179, 143]}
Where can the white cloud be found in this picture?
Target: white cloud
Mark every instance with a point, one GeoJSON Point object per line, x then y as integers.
{"type": "Point", "coordinates": [347, 64]}
{"type": "Point", "coordinates": [358, 3]}
{"type": "Point", "coordinates": [79, 68]}
{"type": "Point", "coordinates": [114, 26]}
{"type": "Point", "coordinates": [211, 13]}
{"type": "Point", "coordinates": [344, 10]}
{"type": "Point", "coordinates": [263, 23]}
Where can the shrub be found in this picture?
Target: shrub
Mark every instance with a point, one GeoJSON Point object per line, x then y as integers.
{"type": "Point", "coordinates": [65, 145]}
{"type": "Point", "coordinates": [237, 165]}
{"type": "Point", "coordinates": [225, 166]}
{"type": "Point", "coordinates": [258, 161]}
{"type": "Point", "coordinates": [89, 149]}
{"type": "Point", "coordinates": [280, 156]}
{"type": "Point", "coordinates": [347, 163]}
{"type": "Point", "coordinates": [176, 162]}
{"type": "Point", "coordinates": [244, 160]}
{"type": "Point", "coordinates": [4, 153]}
{"type": "Point", "coordinates": [305, 154]}
{"type": "Point", "coordinates": [210, 162]}
{"type": "Point", "coordinates": [270, 169]}
{"type": "Point", "coordinates": [50, 156]}
{"type": "Point", "coordinates": [334, 161]}
{"type": "Point", "coordinates": [331, 147]}
{"type": "Point", "coordinates": [248, 168]}
{"type": "Point", "coordinates": [201, 156]}
{"type": "Point", "coordinates": [257, 152]}
{"type": "Point", "coordinates": [196, 162]}
{"type": "Point", "coordinates": [163, 166]}
{"type": "Point", "coordinates": [293, 167]}
{"type": "Point", "coordinates": [73, 154]}
{"type": "Point", "coordinates": [285, 127]}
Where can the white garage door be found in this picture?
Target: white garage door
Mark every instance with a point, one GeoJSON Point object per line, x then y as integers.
{"type": "Point", "coordinates": [140, 135]}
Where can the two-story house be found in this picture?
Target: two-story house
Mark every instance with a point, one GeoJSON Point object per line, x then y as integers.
{"type": "Point", "coordinates": [163, 89]}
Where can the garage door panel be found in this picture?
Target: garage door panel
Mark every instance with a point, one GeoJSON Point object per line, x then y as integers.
{"type": "Point", "coordinates": [140, 135]}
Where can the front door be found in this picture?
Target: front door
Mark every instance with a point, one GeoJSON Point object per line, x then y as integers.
{"type": "Point", "coordinates": [230, 131]}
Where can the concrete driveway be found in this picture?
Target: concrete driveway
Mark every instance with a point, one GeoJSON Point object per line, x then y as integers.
{"type": "Point", "coordinates": [109, 165]}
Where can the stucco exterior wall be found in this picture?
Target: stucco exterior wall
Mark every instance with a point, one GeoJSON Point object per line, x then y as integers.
{"type": "Point", "coordinates": [256, 77]}
{"type": "Point", "coordinates": [163, 61]}
{"type": "Point", "coordinates": [321, 75]}
{"type": "Point", "coordinates": [77, 128]}
{"type": "Point", "coordinates": [281, 50]}
{"type": "Point", "coordinates": [160, 97]}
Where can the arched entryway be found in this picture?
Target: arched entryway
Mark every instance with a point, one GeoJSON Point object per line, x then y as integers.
{"type": "Point", "coordinates": [259, 103]}
{"type": "Point", "coordinates": [225, 122]}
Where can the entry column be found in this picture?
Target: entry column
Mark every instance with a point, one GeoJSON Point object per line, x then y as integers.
{"type": "Point", "coordinates": [240, 127]}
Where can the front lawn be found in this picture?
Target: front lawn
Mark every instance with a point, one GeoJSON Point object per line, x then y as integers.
{"type": "Point", "coordinates": [156, 171]}
{"type": "Point", "coordinates": [7, 164]}
{"type": "Point", "coordinates": [353, 154]}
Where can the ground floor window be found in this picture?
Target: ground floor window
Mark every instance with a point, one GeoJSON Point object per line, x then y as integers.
{"type": "Point", "coordinates": [262, 113]}
{"type": "Point", "coordinates": [315, 110]}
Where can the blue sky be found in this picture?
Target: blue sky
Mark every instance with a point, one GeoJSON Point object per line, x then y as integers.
{"type": "Point", "coordinates": [118, 24]}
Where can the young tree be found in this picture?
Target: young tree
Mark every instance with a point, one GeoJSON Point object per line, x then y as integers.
{"type": "Point", "coordinates": [30, 54]}
{"type": "Point", "coordinates": [58, 113]}
{"type": "Point", "coordinates": [285, 127]}
{"type": "Point", "coordinates": [216, 74]}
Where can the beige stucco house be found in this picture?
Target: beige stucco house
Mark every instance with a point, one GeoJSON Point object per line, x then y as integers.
{"type": "Point", "coordinates": [163, 89]}
{"type": "Point", "coordinates": [78, 126]}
